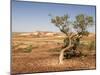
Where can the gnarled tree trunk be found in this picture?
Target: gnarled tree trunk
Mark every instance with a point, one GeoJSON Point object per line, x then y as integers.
{"type": "Point", "coordinates": [63, 50]}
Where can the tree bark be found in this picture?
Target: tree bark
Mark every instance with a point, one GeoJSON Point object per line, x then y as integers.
{"type": "Point", "coordinates": [68, 47]}
{"type": "Point", "coordinates": [63, 50]}
{"type": "Point", "coordinates": [62, 53]}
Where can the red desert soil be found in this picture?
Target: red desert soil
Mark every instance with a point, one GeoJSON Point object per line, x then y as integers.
{"type": "Point", "coordinates": [44, 58]}
{"type": "Point", "coordinates": [40, 60]}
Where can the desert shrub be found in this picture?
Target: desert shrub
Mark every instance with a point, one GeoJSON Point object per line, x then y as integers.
{"type": "Point", "coordinates": [72, 53]}
{"type": "Point", "coordinates": [28, 48]}
{"type": "Point", "coordinates": [82, 46]}
{"type": "Point", "coordinates": [86, 47]}
{"type": "Point", "coordinates": [82, 49]}
{"type": "Point", "coordinates": [92, 45]}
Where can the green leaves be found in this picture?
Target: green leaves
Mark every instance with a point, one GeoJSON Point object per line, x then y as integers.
{"type": "Point", "coordinates": [80, 18]}
{"type": "Point", "coordinates": [83, 19]}
{"type": "Point", "coordinates": [80, 23]}
{"type": "Point", "coordinates": [89, 20]}
{"type": "Point", "coordinates": [61, 22]}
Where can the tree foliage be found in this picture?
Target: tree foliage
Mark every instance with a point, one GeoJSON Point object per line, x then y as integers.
{"type": "Point", "coordinates": [61, 22]}
{"type": "Point", "coordinates": [81, 23]}
{"type": "Point", "coordinates": [72, 40]}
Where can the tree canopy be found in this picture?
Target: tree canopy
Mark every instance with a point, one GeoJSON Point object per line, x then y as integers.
{"type": "Point", "coordinates": [61, 22]}
{"type": "Point", "coordinates": [82, 22]}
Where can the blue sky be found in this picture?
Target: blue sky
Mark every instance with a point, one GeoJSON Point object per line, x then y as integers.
{"type": "Point", "coordinates": [31, 16]}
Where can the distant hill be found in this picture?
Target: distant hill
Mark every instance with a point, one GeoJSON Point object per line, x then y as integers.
{"type": "Point", "coordinates": [46, 34]}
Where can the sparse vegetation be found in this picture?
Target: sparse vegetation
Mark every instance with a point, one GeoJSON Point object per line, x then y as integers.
{"type": "Point", "coordinates": [92, 45]}
{"type": "Point", "coordinates": [45, 53]}
{"type": "Point", "coordinates": [28, 48]}
{"type": "Point", "coordinates": [38, 54]}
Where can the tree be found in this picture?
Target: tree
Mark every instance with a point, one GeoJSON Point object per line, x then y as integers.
{"type": "Point", "coordinates": [71, 40]}
{"type": "Point", "coordinates": [82, 22]}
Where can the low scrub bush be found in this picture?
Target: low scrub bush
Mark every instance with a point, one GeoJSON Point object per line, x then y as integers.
{"type": "Point", "coordinates": [92, 45]}
{"type": "Point", "coordinates": [28, 48]}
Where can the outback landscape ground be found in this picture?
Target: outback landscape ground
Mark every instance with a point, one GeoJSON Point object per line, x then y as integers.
{"type": "Point", "coordinates": [39, 51]}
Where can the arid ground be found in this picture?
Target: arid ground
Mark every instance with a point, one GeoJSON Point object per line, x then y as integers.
{"type": "Point", "coordinates": [39, 53]}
